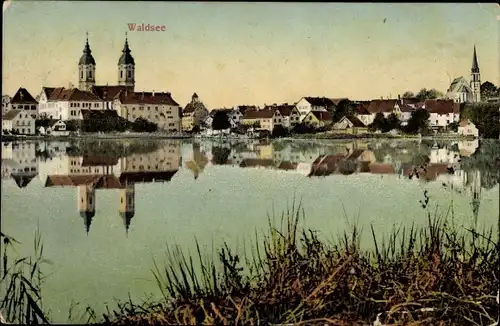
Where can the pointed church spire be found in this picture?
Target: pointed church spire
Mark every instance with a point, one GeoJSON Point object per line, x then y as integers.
{"type": "Point", "coordinates": [475, 65]}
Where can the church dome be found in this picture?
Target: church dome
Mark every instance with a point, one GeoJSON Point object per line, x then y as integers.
{"type": "Point", "coordinates": [126, 58]}
{"type": "Point", "coordinates": [87, 58]}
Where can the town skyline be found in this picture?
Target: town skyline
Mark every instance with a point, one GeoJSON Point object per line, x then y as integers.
{"type": "Point", "coordinates": [254, 53]}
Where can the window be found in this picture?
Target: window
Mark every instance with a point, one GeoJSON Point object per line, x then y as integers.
{"type": "Point", "coordinates": [90, 74]}
{"type": "Point", "coordinates": [121, 73]}
{"type": "Point", "coordinates": [129, 74]}
{"type": "Point", "coordinates": [81, 74]}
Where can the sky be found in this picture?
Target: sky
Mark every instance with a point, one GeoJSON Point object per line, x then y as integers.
{"type": "Point", "coordinates": [253, 53]}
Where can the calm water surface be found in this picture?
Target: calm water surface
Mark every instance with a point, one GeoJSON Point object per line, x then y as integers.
{"type": "Point", "coordinates": [105, 209]}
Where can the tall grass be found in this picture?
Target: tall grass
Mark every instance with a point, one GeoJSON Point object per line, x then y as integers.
{"type": "Point", "coordinates": [21, 279]}
{"type": "Point", "coordinates": [438, 273]}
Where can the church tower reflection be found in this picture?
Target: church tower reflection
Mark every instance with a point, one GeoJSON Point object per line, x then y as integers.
{"type": "Point", "coordinates": [127, 204]}
{"type": "Point", "coordinates": [86, 204]}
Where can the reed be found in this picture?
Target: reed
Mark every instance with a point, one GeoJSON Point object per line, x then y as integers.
{"type": "Point", "coordinates": [436, 274]}
{"type": "Point", "coordinates": [21, 279]}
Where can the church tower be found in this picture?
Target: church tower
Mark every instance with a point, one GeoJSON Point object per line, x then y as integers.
{"type": "Point", "coordinates": [86, 204]}
{"type": "Point", "coordinates": [86, 68]}
{"type": "Point", "coordinates": [475, 82]}
{"type": "Point", "coordinates": [127, 204]}
{"type": "Point", "coordinates": [126, 67]}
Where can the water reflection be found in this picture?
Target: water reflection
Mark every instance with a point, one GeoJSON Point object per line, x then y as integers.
{"type": "Point", "coordinates": [89, 166]}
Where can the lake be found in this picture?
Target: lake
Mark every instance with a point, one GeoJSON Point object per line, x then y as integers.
{"type": "Point", "coordinates": [106, 208]}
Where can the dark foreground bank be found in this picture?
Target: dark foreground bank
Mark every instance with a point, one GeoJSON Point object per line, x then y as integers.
{"type": "Point", "coordinates": [434, 275]}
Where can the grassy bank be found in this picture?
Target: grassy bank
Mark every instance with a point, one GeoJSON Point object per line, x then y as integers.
{"type": "Point", "coordinates": [434, 275]}
{"type": "Point", "coordinates": [96, 136]}
{"type": "Point", "coordinates": [437, 274]}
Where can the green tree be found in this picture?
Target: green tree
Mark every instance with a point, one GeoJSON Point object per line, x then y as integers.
{"type": "Point", "coordinates": [429, 94]}
{"type": "Point", "coordinates": [408, 94]}
{"type": "Point", "coordinates": [392, 122]}
{"type": "Point", "coordinates": [279, 131]}
{"type": "Point", "coordinates": [345, 107]}
{"type": "Point", "coordinates": [418, 122]}
{"type": "Point", "coordinates": [220, 155]}
{"type": "Point", "coordinates": [220, 121]}
{"type": "Point", "coordinates": [488, 90]}
{"type": "Point", "coordinates": [379, 122]}
{"type": "Point", "coordinates": [486, 117]}
{"type": "Point", "coordinates": [453, 126]}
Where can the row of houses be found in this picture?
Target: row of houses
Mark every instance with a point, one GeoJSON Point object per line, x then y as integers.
{"type": "Point", "coordinates": [316, 112]}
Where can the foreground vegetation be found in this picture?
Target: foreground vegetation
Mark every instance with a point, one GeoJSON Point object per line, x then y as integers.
{"type": "Point", "coordinates": [435, 274]}
{"type": "Point", "coordinates": [439, 274]}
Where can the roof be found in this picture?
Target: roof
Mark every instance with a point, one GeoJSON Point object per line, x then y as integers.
{"type": "Point", "coordinates": [459, 83]}
{"type": "Point", "coordinates": [379, 168]}
{"type": "Point", "coordinates": [87, 58]}
{"type": "Point", "coordinates": [244, 108]}
{"type": "Point", "coordinates": [320, 101]}
{"type": "Point", "coordinates": [23, 97]}
{"type": "Point", "coordinates": [140, 177]}
{"type": "Point", "coordinates": [254, 162]}
{"type": "Point", "coordinates": [22, 180]}
{"type": "Point", "coordinates": [71, 94]}
{"type": "Point", "coordinates": [381, 106]}
{"type": "Point", "coordinates": [322, 116]}
{"type": "Point", "coordinates": [99, 160]}
{"type": "Point", "coordinates": [475, 65]}
{"type": "Point", "coordinates": [465, 122]}
{"type": "Point", "coordinates": [10, 115]}
{"type": "Point", "coordinates": [355, 121]}
{"type": "Point", "coordinates": [361, 108]}
{"type": "Point", "coordinates": [108, 93]}
{"type": "Point", "coordinates": [126, 58]}
{"type": "Point", "coordinates": [258, 114]}
{"type": "Point", "coordinates": [326, 164]}
{"type": "Point", "coordinates": [48, 91]}
{"type": "Point", "coordinates": [191, 107]}
{"type": "Point", "coordinates": [442, 107]}
{"type": "Point", "coordinates": [284, 109]}
{"type": "Point", "coordinates": [153, 98]}
{"type": "Point", "coordinates": [96, 181]}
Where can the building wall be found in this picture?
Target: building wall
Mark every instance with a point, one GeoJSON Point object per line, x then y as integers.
{"type": "Point", "coordinates": [167, 158]}
{"type": "Point", "coordinates": [438, 120]}
{"type": "Point", "coordinates": [171, 122]}
{"type": "Point", "coordinates": [86, 77]}
{"type": "Point", "coordinates": [66, 110]}
{"type": "Point", "coordinates": [23, 123]}
{"type": "Point", "coordinates": [468, 130]}
{"type": "Point", "coordinates": [29, 108]}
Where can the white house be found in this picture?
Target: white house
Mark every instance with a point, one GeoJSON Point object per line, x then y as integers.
{"type": "Point", "coordinates": [361, 112]}
{"type": "Point", "coordinates": [442, 112]}
{"type": "Point", "coordinates": [467, 128]}
{"type": "Point", "coordinates": [19, 121]}
{"type": "Point", "coordinates": [322, 104]}
{"type": "Point", "coordinates": [66, 104]}
{"type": "Point", "coordinates": [289, 113]}
{"type": "Point", "coordinates": [23, 100]}
{"type": "Point", "coordinates": [55, 128]}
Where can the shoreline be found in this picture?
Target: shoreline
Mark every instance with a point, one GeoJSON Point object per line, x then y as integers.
{"type": "Point", "coordinates": [114, 136]}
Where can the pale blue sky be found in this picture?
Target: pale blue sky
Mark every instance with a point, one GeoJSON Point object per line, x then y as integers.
{"type": "Point", "coordinates": [254, 53]}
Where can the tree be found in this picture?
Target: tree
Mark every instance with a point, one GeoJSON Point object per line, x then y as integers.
{"type": "Point", "coordinates": [302, 128]}
{"type": "Point", "coordinates": [279, 131]}
{"type": "Point", "coordinates": [392, 122]}
{"type": "Point", "coordinates": [429, 94]}
{"type": "Point", "coordinates": [408, 94]}
{"type": "Point", "coordinates": [486, 117]}
{"type": "Point", "coordinates": [418, 122]}
{"type": "Point", "coordinates": [220, 121]}
{"type": "Point", "coordinates": [488, 90]}
{"type": "Point", "coordinates": [345, 107]}
{"type": "Point", "coordinates": [220, 155]}
{"type": "Point", "coordinates": [379, 122]}
{"type": "Point", "coordinates": [453, 126]}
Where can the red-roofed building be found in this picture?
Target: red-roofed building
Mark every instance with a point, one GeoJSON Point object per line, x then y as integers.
{"type": "Point", "coordinates": [24, 101]}
{"type": "Point", "coordinates": [66, 103]}
{"type": "Point", "coordinates": [442, 112]}
{"type": "Point", "coordinates": [156, 107]}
